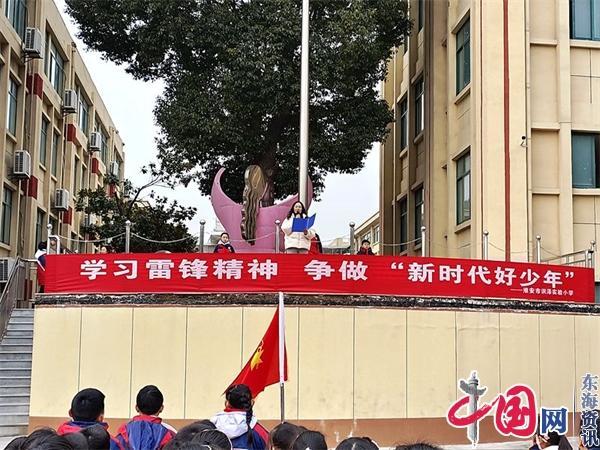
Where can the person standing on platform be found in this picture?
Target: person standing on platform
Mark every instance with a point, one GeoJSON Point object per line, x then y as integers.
{"type": "Point", "coordinates": [296, 242]}
{"type": "Point", "coordinates": [365, 248]}
{"type": "Point", "coordinates": [224, 245]}
{"type": "Point", "coordinates": [40, 257]}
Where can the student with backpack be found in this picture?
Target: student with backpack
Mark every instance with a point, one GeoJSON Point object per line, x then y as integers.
{"type": "Point", "coordinates": [146, 431]}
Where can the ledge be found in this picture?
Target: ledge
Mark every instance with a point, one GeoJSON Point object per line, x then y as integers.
{"type": "Point", "coordinates": [373, 301]}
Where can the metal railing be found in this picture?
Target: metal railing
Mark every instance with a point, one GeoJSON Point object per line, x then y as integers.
{"type": "Point", "coordinates": [583, 258]}
{"type": "Point", "coordinates": [14, 292]}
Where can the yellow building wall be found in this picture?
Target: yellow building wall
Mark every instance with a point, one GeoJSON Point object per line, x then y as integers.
{"type": "Point", "coordinates": [343, 363]}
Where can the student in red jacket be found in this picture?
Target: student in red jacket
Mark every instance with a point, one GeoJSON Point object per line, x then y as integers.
{"type": "Point", "coordinates": [365, 248]}
{"type": "Point", "coordinates": [224, 246]}
{"type": "Point", "coordinates": [146, 431]}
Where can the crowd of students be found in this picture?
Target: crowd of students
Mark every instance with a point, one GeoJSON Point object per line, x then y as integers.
{"type": "Point", "coordinates": [236, 427]}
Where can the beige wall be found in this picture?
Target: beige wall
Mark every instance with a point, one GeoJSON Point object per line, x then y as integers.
{"type": "Point", "coordinates": [344, 363]}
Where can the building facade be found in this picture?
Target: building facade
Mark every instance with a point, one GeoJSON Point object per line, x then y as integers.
{"type": "Point", "coordinates": [369, 230]}
{"type": "Point", "coordinates": [497, 129]}
{"type": "Point", "coordinates": [33, 118]}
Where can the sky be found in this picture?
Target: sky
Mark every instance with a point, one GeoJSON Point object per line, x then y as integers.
{"type": "Point", "coordinates": [131, 102]}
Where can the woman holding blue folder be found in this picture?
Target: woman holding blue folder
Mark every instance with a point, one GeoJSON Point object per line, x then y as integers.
{"type": "Point", "coordinates": [297, 242]}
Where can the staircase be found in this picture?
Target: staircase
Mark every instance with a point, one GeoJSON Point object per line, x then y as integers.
{"type": "Point", "coordinates": [15, 373]}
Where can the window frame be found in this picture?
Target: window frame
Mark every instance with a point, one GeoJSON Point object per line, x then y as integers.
{"type": "Point", "coordinates": [463, 56]}
{"type": "Point", "coordinates": [43, 156]}
{"type": "Point", "coordinates": [403, 206]}
{"type": "Point", "coordinates": [419, 90]}
{"type": "Point", "coordinates": [16, 14]}
{"type": "Point", "coordinates": [403, 123]}
{"type": "Point", "coordinates": [12, 106]}
{"type": "Point", "coordinates": [594, 28]}
{"type": "Point", "coordinates": [419, 214]}
{"type": "Point", "coordinates": [54, 153]}
{"type": "Point", "coordinates": [54, 65]}
{"type": "Point", "coordinates": [39, 226]}
{"type": "Point", "coordinates": [594, 160]}
{"type": "Point", "coordinates": [461, 217]}
{"type": "Point", "coordinates": [5, 232]}
{"type": "Point", "coordinates": [83, 120]}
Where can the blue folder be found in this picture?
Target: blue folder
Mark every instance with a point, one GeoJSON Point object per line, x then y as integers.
{"type": "Point", "coordinates": [299, 225]}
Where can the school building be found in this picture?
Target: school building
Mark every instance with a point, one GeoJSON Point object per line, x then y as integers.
{"type": "Point", "coordinates": [56, 134]}
{"type": "Point", "coordinates": [497, 130]}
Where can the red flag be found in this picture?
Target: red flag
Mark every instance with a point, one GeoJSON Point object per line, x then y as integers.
{"type": "Point", "coordinates": [262, 369]}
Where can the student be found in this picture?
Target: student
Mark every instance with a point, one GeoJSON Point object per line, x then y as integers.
{"type": "Point", "coordinates": [87, 410]}
{"type": "Point", "coordinates": [40, 256]}
{"type": "Point", "coordinates": [420, 446]}
{"type": "Point", "coordinates": [316, 247]}
{"type": "Point", "coordinates": [187, 433]}
{"type": "Point", "coordinates": [224, 246]}
{"type": "Point", "coordinates": [91, 438]}
{"type": "Point", "coordinates": [283, 436]}
{"type": "Point", "coordinates": [146, 431]}
{"type": "Point", "coordinates": [43, 439]}
{"type": "Point", "coordinates": [362, 443]}
{"type": "Point", "coordinates": [237, 421]}
{"type": "Point", "coordinates": [312, 440]}
{"type": "Point", "coordinates": [296, 242]}
{"type": "Point", "coordinates": [365, 248]}
{"type": "Point", "coordinates": [213, 439]}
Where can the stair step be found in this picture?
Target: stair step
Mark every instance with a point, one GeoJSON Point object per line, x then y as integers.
{"type": "Point", "coordinates": [20, 327]}
{"type": "Point", "coordinates": [16, 348]}
{"type": "Point", "coordinates": [23, 311]}
{"type": "Point", "coordinates": [14, 381]}
{"type": "Point", "coordinates": [19, 333]}
{"type": "Point", "coordinates": [20, 319]}
{"type": "Point", "coordinates": [6, 372]}
{"type": "Point", "coordinates": [15, 364]}
{"type": "Point", "coordinates": [13, 430]}
{"type": "Point", "coordinates": [12, 399]}
{"type": "Point", "coordinates": [23, 388]}
{"type": "Point", "coordinates": [17, 340]}
{"type": "Point", "coordinates": [14, 408]}
{"type": "Point", "coordinates": [15, 355]}
{"type": "Point", "coordinates": [13, 419]}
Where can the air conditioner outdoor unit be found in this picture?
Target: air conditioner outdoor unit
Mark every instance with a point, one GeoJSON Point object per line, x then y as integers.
{"type": "Point", "coordinates": [61, 199]}
{"type": "Point", "coordinates": [32, 45]}
{"type": "Point", "coordinates": [114, 168]}
{"type": "Point", "coordinates": [90, 219]}
{"type": "Point", "coordinates": [22, 164]}
{"type": "Point", "coordinates": [6, 265]}
{"type": "Point", "coordinates": [69, 102]}
{"type": "Point", "coordinates": [95, 140]}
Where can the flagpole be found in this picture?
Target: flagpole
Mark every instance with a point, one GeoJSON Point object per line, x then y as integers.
{"type": "Point", "coordinates": [281, 356]}
{"type": "Point", "coordinates": [304, 100]}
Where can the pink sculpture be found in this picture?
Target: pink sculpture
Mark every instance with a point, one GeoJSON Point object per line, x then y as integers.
{"type": "Point", "coordinates": [230, 215]}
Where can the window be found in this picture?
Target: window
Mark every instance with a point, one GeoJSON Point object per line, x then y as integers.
{"type": "Point", "coordinates": [84, 178]}
{"type": "Point", "coordinates": [40, 223]}
{"type": "Point", "coordinates": [7, 202]}
{"type": "Point", "coordinates": [54, 153]}
{"type": "Point", "coordinates": [421, 6]}
{"type": "Point", "coordinates": [585, 160]}
{"type": "Point", "coordinates": [403, 124]}
{"type": "Point", "coordinates": [405, 44]}
{"type": "Point", "coordinates": [463, 188]}
{"type": "Point", "coordinates": [54, 66]}
{"type": "Point", "coordinates": [585, 19]}
{"type": "Point", "coordinates": [403, 225]}
{"type": "Point", "coordinates": [76, 177]}
{"type": "Point", "coordinates": [419, 107]}
{"type": "Point", "coordinates": [11, 116]}
{"type": "Point", "coordinates": [54, 224]}
{"type": "Point", "coordinates": [83, 114]}
{"type": "Point", "coordinates": [376, 235]}
{"type": "Point", "coordinates": [419, 209]}
{"type": "Point", "coordinates": [44, 140]}
{"type": "Point", "coordinates": [16, 13]}
{"type": "Point", "coordinates": [463, 57]}
{"type": "Point", "coordinates": [103, 141]}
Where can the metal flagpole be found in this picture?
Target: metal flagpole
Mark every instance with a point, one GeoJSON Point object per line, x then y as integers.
{"type": "Point", "coordinates": [281, 356]}
{"type": "Point", "coordinates": [304, 77]}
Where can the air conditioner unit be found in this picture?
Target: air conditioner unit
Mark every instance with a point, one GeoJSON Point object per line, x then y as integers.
{"type": "Point", "coordinates": [22, 164]}
{"type": "Point", "coordinates": [90, 219]}
{"type": "Point", "coordinates": [61, 199]}
{"type": "Point", "coordinates": [32, 46]}
{"type": "Point", "coordinates": [114, 168]}
{"type": "Point", "coordinates": [69, 102]}
{"type": "Point", "coordinates": [95, 141]}
{"type": "Point", "coordinates": [6, 267]}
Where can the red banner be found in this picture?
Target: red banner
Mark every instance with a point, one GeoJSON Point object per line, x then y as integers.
{"type": "Point", "coordinates": [323, 274]}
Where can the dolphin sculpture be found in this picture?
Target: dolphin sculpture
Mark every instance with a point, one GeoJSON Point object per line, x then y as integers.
{"type": "Point", "coordinates": [229, 214]}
